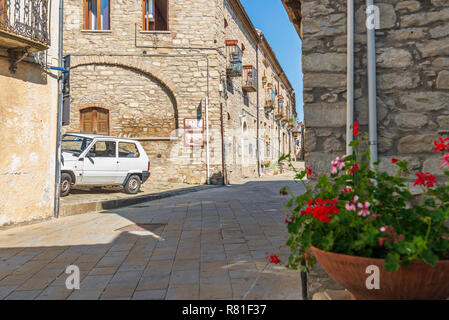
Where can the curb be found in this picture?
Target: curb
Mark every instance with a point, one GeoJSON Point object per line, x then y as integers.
{"type": "Point", "coordinates": [95, 206]}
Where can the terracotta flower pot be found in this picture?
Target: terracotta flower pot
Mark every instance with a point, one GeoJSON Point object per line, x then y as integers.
{"type": "Point", "coordinates": [420, 281]}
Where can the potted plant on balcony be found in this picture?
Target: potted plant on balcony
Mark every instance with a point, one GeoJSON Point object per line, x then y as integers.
{"type": "Point", "coordinates": [284, 119]}
{"type": "Point", "coordinates": [291, 122]}
{"type": "Point", "coordinates": [359, 221]}
{"type": "Point", "coordinates": [269, 105]}
{"type": "Point", "coordinates": [269, 85]}
{"type": "Point", "coordinates": [264, 80]}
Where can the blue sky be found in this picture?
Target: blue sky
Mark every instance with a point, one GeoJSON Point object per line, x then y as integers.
{"type": "Point", "coordinates": [271, 17]}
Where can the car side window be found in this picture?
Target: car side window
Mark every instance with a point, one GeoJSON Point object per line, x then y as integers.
{"type": "Point", "coordinates": [102, 149]}
{"type": "Point", "coordinates": [128, 150]}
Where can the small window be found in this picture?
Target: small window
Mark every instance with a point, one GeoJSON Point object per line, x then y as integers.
{"type": "Point", "coordinates": [94, 120]}
{"type": "Point", "coordinates": [127, 150]}
{"type": "Point", "coordinates": [103, 149]}
{"type": "Point", "coordinates": [155, 15]}
{"type": "Point", "coordinates": [96, 15]}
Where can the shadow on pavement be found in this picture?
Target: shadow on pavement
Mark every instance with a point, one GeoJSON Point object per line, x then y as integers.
{"type": "Point", "coordinates": [209, 244]}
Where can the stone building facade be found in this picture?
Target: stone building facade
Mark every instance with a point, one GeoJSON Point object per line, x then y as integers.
{"type": "Point", "coordinates": [412, 53]}
{"type": "Point", "coordinates": [28, 109]}
{"type": "Point", "coordinates": [149, 71]}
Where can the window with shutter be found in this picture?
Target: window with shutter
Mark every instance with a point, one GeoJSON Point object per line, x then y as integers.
{"type": "Point", "coordinates": [154, 15]}
{"type": "Point", "coordinates": [94, 120]}
{"type": "Point", "coordinates": [96, 14]}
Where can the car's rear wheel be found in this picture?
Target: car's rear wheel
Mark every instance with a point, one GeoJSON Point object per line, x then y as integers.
{"type": "Point", "coordinates": [132, 186]}
{"type": "Point", "coordinates": [66, 184]}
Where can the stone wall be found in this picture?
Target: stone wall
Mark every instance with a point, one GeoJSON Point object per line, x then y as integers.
{"type": "Point", "coordinates": [412, 50]}
{"type": "Point", "coordinates": [324, 69]}
{"type": "Point", "coordinates": [28, 113]}
{"type": "Point", "coordinates": [150, 81]}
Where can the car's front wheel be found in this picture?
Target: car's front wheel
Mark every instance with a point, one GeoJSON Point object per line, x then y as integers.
{"type": "Point", "coordinates": [66, 184]}
{"type": "Point", "coordinates": [132, 186]}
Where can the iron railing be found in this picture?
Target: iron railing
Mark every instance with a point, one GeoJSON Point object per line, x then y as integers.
{"type": "Point", "coordinates": [234, 59]}
{"type": "Point", "coordinates": [26, 18]}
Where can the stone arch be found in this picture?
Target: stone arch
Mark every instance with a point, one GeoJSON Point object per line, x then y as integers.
{"type": "Point", "coordinates": [131, 63]}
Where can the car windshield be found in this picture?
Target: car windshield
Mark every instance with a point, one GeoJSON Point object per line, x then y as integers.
{"type": "Point", "coordinates": [74, 144]}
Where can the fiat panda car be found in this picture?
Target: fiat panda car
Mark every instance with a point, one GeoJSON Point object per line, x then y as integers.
{"type": "Point", "coordinates": [96, 160]}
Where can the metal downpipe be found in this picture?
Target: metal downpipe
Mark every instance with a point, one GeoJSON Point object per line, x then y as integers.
{"type": "Point", "coordinates": [350, 78]}
{"type": "Point", "coordinates": [371, 65]}
{"type": "Point", "coordinates": [59, 114]}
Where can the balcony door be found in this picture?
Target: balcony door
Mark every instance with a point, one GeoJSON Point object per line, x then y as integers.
{"type": "Point", "coordinates": [94, 120]}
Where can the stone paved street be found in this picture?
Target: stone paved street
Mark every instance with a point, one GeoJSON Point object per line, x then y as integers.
{"type": "Point", "coordinates": [208, 244]}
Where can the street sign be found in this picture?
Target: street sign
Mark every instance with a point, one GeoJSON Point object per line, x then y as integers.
{"type": "Point", "coordinates": [193, 132]}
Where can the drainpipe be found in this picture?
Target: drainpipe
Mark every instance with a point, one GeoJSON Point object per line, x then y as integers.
{"type": "Point", "coordinates": [350, 78]}
{"type": "Point", "coordinates": [59, 115]}
{"type": "Point", "coordinates": [258, 119]}
{"type": "Point", "coordinates": [223, 165]}
{"type": "Point", "coordinates": [371, 62]}
{"type": "Point", "coordinates": [207, 125]}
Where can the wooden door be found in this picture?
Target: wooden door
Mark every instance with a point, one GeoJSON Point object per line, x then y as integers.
{"type": "Point", "coordinates": [95, 120]}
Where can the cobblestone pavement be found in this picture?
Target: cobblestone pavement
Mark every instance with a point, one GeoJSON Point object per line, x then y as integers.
{"type": "Point", "coordinates": [209, 244]}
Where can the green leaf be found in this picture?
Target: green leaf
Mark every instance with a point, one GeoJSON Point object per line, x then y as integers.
{"type": "Point", "coordinates": [430, 202]}
{"type": "Point", "coordinates": [392, 262]}
{"type": "Point", "coordinates": [429, 257]}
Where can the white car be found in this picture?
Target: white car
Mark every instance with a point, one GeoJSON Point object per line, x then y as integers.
{"type": "Point", "coordinates": [96, 160]}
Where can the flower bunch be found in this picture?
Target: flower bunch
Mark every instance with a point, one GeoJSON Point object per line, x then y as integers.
{"type": "Point", "coordinates": [392, 235]}
{"type": "Point", "coordinates": [337, 164]}
{"type": "Point", "coordinates": [321, 209]}
{"type": "Point", "coordinates": [425, 179]}
{"type": "Point", "coordinates": [356, 209]}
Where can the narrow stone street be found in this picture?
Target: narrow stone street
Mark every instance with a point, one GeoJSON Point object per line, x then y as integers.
{"type": "Point", "coordinates": [208, 244]}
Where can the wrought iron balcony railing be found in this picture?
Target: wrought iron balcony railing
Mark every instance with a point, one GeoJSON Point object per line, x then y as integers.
{"type": "Point", "coordinates": [249, 79]}
{"type": "Point", "coordinates": [22, 21]}
{"type": "Point", "coordinates": [234, 59]}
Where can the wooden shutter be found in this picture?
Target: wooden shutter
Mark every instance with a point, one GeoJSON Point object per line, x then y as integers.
{"type": "Point", "coordinates": [102, 121]}
{"type": "Point", "coordinates": [2, 11]}
{"type": "Point", "coordinates": [86, 14]}
{"type": "Point", "coordinates": [94, 120]}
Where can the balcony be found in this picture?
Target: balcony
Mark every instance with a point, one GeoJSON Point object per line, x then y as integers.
{"type": "Point", "coordinates": [278, 116]}
{"type": "Point", "coordinates": [24, 25]}
{"type": "Point", "coordinates": [280, 104]}
{"type": "Point", "coordinates": [249, 79]}
{"type": "Point", "coordinates": [233, 59]}
{"type": "Point", "coordinates": [269, 105]}
{"type": "Point", "coordinates": [284, 120]}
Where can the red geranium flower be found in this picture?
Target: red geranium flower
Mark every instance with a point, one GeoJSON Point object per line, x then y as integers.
{"type": "Point", "coordinates": [426, 179]}
{"type": "Point", "coordinates": [274, 258]}
{"type": "Point", "coordinates": [394, 160]}
{"type": "Point", "coordinates": [354, 168]}
{"type": "Point", "coordinates": [309, 171]}
{"type": "Point", "coordinates": [321, 209]}
{"type": "Point", "coordinates": [440, 146]}
{"type": "Point", "coordinates": [355, 130]}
